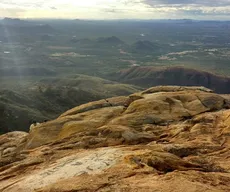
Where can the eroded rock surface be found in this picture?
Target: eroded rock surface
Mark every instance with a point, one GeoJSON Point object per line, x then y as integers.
{"type": "Point", "coordinates": [163, 139]}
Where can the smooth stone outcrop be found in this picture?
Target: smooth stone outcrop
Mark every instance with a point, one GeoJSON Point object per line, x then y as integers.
{"type": "Point", "coordinates": [166, 139]}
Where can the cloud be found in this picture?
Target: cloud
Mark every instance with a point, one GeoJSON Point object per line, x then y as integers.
{"type": "Point", "coordinates": [209, 3]}
{"type": "Point", "coordinates": [113, 9]}
{"type": "Point", "coordinates": [191, 8]}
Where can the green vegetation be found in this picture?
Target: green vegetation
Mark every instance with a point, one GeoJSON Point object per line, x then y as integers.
{"type": "Point", "coordinates": [40, 60]}
{"type": "Point", "coordinates": [49, 97]}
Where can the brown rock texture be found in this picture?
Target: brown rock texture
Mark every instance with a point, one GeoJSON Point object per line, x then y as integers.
{"type": "Point", "coordinates": [164, 139]}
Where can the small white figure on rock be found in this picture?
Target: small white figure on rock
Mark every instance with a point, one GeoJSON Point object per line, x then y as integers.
{"type": "Point", "coordinates": [33, 125]}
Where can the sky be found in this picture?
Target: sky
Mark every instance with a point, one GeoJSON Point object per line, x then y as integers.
{"type": "Point", "coordinates": [117, 9]}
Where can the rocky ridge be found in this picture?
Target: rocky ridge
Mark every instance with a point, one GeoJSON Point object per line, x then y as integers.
{"type": "Point", "coordinates": [148, 76]}
{"type": "Point", "coordinates": [166, 139]}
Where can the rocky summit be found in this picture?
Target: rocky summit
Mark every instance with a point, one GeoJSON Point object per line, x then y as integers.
{"type": "Point", "coordinates": [164, 139]}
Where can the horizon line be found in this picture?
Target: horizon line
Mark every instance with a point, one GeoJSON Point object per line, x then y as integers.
{"type": "Point", "coordinates": [124, 19]}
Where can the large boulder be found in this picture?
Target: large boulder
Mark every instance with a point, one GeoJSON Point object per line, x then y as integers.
{"type": "Point", "coordinates": [155, 106]}
{"type": "Point", "coordinates": [162, 139]}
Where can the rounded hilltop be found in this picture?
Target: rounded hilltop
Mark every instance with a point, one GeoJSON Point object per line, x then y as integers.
{"type": "Point", "coordinates": [166, 138]}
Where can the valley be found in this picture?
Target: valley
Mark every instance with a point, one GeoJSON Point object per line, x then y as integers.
{"type": "Point", "coordinates": [50, 66]}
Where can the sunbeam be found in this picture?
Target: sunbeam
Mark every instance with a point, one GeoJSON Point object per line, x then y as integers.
{"type": "Point", "coordinates": [9, 51]}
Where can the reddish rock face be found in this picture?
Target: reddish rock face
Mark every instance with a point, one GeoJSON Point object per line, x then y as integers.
{"type": "Point", "coordinates": [154, 76]}
{"type": "Point", "coordinates": [162, 139]}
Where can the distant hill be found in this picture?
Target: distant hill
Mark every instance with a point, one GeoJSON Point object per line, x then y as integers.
{"type": "Point", "coordinates": [145, 46]}
{"type": "Point", "coordinates": [25, 71]}
{"type": "Point", "coordinates": [153, 76]}
{"type": "Point", "coordinates": [14, 21]}
{"type": "Point", "coordinates": [50, 97]}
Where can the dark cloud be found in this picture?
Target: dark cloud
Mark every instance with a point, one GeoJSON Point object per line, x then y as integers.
{"type": "Point", "coordinates": [209, 3]}
{"type": "Point", "coordinates": [191, 8]}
